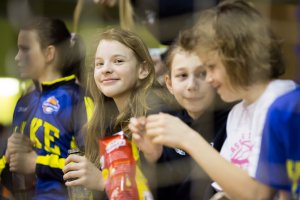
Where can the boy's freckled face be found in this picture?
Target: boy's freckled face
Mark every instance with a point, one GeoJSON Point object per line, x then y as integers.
{"type": "Point", "coordinates": [188, 84]}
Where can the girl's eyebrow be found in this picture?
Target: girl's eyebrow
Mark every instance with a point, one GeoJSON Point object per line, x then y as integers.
{"type": "Point", "coordinates": [182, 68]}
{"type": "Point", "coordinates": [115, 55]}
{"type": "Point", "coordinates": [22, 46]}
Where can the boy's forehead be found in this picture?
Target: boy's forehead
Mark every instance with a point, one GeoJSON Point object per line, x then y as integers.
{"type": "Point", "coordinates": [207, 56]}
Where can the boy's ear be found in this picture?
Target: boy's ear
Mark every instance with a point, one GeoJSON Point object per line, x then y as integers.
{"type": "Point", "coordinates": [50, 53]}
{"type": "Point", "coordinates": [169, 83]}
{"type": "Point", "coordinates": [143, 71]}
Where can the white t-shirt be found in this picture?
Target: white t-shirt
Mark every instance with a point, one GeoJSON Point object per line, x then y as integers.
{"type": "Point", "coordinates": [245, 126]}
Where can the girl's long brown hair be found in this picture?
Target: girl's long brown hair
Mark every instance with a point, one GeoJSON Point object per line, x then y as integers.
{"type": "Point", "coordinates": [105, 115]}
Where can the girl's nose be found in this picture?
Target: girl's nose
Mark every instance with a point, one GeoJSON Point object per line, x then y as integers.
{"type": "Point", "coordinates": [208, 78]}
{"type": "Point", "coordinates": [107, 68]}
{"type": "Point", "coordinates": [17, 57]}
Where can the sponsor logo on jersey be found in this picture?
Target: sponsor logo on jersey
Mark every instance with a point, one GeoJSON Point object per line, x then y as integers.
{"type": "Point", "coordinates": [51, 105]}
{"type": "Point", "coordinates": [22, 109]}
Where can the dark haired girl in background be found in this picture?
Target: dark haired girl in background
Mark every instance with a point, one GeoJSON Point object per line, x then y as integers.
{"type": "Point", "coordinates": [52, 115]}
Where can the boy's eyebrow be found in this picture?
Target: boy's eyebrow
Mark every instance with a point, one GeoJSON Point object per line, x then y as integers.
{"type": "Point", "coordinates": [181, 68]}
{"type": "Point", "coordinates": [201, 66]}
{"type": "Point", "coordinates": [208, 62]}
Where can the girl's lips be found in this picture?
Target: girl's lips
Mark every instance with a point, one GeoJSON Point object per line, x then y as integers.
{"type": "Point", "coordinates": [21, 67]}
{"type": "Point", "coordinates": [109, 80]}
{"type": "Point", "coordinates": [218, 89]}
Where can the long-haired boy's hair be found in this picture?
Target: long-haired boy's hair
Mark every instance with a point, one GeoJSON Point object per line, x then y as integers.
{"type": "Point", "coordinates": [242, 38]}
{"type": "Point", "coordinates": [106, 115]}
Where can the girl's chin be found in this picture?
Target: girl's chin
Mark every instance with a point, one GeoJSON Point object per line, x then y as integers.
{"type": "Point", "coordinates": [228, 99]}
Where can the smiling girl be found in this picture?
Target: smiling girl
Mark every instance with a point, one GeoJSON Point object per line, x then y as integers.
{"type": "Point", "coordinates": [122, 76]}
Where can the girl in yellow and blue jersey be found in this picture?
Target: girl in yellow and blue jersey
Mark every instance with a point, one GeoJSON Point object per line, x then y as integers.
{"type": "Point", "coordinates": [48, 121]}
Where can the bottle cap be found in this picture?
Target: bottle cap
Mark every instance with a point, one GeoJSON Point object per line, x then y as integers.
{"type": "Point", "coordinates": [74, 151]}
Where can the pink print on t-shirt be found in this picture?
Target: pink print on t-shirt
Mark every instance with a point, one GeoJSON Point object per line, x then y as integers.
{"type": "Point", "coordinates": [241, 151]}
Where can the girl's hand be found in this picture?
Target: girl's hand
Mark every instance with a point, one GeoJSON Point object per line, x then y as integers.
{"type": "Point", "coordinates": [168, 130]}
{"type": "Point", "coordinates": [151, 151]}
{"type": "Point", "coordinates": [24, 163]}
{"type": "Point", "coordinates": [137, 125]}
{"type": "Point", "coordinates": [18, 143]}
{"type": "Point", "coordinates": [80, 171]}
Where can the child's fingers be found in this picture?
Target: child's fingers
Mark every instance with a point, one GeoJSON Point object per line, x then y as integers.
{"type": "Point", "coordinates": [136, 127]}
{"type": "Point", "coordinates": [138, 122]}
{"type": "Point", "coordinates": [136, 137]}
{"type": "Point", "coordinates": [152, 118]}
{"type": "Point", "coordinates": [73, 158]}
{"type": "Point", "coordinates": [70, 167]}
{"type": "Point", "coordinates": [141, 126]}
{"type": "Point", "coordinates": [142, 121]}
{"type": "Point", "coordinates": [158, 140]}
{"type": "Point", "coordinates": [155, 130]}
{"type": "Point", "coordinates": [71, 175]}
{"type": "Point", "coordinates": [154, 125]}
{"type": "Point", "coordinates": [133, 128]}
{"type": "Point", "coordinates": [133, 121]}
{"type": "Point", "coordinates": [71, 183]}
{"type": "Point", "coordinates": [13, 163]}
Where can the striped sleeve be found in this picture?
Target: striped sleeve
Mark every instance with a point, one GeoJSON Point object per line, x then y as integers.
{"type": "Point", "coordinates": [2, 163]}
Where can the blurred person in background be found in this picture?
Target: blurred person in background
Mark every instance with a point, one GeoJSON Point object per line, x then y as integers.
{"type": "Point", "coordinates": [164, 18]}
{"type": "Point", "coordinates": [158, 56]}
{"type": "Point", "coordinates": [48, 121]}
